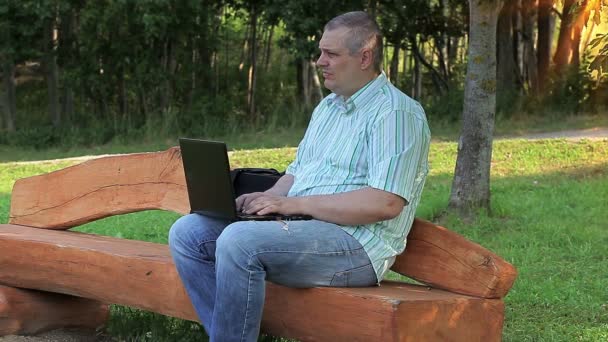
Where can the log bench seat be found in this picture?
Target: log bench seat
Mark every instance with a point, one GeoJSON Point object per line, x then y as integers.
{"type": "Point", "coordinates": [51, 277]}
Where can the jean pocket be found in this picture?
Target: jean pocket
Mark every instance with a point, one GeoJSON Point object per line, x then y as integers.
{"type": "Point", "coordinates": [355, 277]}
{"type": "Point", "coordinates": [207, 251]}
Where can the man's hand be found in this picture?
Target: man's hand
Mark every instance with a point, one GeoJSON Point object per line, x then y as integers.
{"type": "Point", "coordinates": [243, 201]}
{"type": "Point", "coordinates": [265, 203]}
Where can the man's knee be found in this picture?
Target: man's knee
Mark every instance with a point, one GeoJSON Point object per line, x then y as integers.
{"type": "Point", "coordinates": [190, 231]}
{"type": "Point", "coordinates": [236, 240]}
{"type": "Point", "coordinates": [180, 229]}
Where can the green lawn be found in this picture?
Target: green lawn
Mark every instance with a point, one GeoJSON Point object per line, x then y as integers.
{"type": "Point", "coordinates": [549, 218]}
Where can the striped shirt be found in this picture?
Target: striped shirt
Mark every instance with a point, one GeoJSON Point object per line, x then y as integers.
{"type": "Point", "coordinates": [377, 138]}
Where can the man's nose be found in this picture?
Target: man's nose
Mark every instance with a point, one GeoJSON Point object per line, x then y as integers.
{"type": "Point", "coordinates": [321, 61]}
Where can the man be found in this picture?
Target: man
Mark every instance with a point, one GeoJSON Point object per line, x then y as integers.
{"type": "Point", "coordinates": [359, 172]}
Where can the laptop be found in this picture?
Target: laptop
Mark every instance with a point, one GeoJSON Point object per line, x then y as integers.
{"type": "Point", "coordinates": [210, 188]}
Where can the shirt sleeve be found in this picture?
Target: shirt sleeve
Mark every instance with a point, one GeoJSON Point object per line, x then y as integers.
{"type": "Point", "coordinates": [398, 152]}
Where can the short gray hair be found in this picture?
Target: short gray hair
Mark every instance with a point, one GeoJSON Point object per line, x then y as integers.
{"type": "Point", "coordinates": [363, 33]}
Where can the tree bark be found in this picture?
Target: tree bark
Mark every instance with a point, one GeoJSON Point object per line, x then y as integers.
{"type": "Point", "coordinates": [563, 51]}
{"type": "Point", "coordinates": [529, 65]}
{"type": "Point", "coordinates": [439, 81]}
{"type": "Point", "coordinates": [9, 100]}
{"type": "Point", "coordinates": [417, 91]}
{"type": "Point", "coordinates": [506, 75]}
{"type": "Point", "coordinates": [252, 79]}
{"type": "Point", "coordinates": [316, 83]}
{"type": "Point", "coordinates": [268, 48]}
{"type": "Point", "coordinates": [471, 184]}
{"type": "Point", "coordinates": [544, 41]}
{"type": "Point", "coordinates": [67, 105]}
{"type": "Point", "coordinates": [305, 83]}
{"type": "Point", "coordinates": [51, 72]}
{"type": "Point", "coordinates": [582, 16]}
{"type": "Point", "coordinates": [394, 68]}
{"type": "Point", "coordinates": [165, 89]}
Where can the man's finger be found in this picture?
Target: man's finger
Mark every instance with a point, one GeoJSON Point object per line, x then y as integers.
{"type": "Point", "coordinates": [250, 198]}
{"type": "Point", "coordinates": [255, 206]}
{"type": "Point", "coordinates": [239, 201]}
{"type": "Point", "coordinates": [268, 210]}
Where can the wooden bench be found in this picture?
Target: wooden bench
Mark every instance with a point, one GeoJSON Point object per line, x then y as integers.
{"type": "Point", "coordinates": [73, 275]}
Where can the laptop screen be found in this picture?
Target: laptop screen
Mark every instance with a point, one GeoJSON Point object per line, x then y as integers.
{"type": "Point", "coordinates": [208, 179]}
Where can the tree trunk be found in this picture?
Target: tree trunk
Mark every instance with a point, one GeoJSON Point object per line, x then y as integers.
{"type": "Point", "coordinates": [506, 75]}
{"type": "Point", "coordinates": [51, 72]}
{"type": "Point", "coordinates": [165, 87]}
{"type": "Point", "coordinates": [564, 41]}
{"type": "Point", "coordinates": [123, 101]}
{"type": "Point", "coordinates": [516, 29]}
{"type": "Point", "coordinates": [445, 39]}
{"type": "Point", "coordinates": [305, 79]}
{"type": "Point", "coordinates": [404, 69]}
{"type": "Point", "coordinates": [268, 48]}
{"type": "Point", "coordinates": [544, 41]}
{"type": "Point", "coordinates": [66, 58]}
{"type": "Point", "coordinates": [582, 16]}
{"type": "Point", "coordinates": [529, 66]}
{"type": "Point", "coordinates": [316, 83]}
{"type": "Point", "coordinates": [440, 83]}
{"type": "Point", "coordinates": [588, 34]}
{"type": "Point", "coordinates": [441, 54]}
{"type": "Point", "coordinates": [394, 68]}
{"type": "Point", "coordinates": [67, 105]}
{"type": "Point", "coordinates": [471, 185]}
{"type": "Point", "coordinates": [373, 6]}
{"type": "Point", "coordinates": [245, 49]}
{"type": "Point", "coordinates": [417, 91]}
{"type": "Point", "coordinates": [9, 100]}
{"type": "Point", "coordinates": [252, 79]}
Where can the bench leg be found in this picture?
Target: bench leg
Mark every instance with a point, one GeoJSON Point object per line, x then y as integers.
{"type": "Point", "coordinates": [27, 312]}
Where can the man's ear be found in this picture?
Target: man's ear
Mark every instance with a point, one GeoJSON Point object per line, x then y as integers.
{"type": "Point", "coordinates": [367, 59]}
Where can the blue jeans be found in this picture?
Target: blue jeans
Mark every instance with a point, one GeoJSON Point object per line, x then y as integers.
{"type": "Point", "coordinates": [224, 266]}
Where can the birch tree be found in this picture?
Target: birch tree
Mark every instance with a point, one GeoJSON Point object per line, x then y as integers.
{"type": "Point", "coordinates": [471, 184]}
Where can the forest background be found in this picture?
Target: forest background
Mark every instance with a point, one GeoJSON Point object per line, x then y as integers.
{"type": "Point", "coordinates": [84, 73]}
{"type": "Point", "coordinates": [89, 77]}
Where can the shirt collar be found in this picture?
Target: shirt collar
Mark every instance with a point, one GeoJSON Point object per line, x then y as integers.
{"type": "Point", "coordinates": [361, 96]}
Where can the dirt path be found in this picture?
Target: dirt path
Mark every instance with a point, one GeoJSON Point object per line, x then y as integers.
{"type": "Point", "coordinates": [595, 133]}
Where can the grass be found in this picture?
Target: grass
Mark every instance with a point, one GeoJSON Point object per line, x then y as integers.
{"type": "Point", "coordinates": [289, 137]}
{"type": "Point", "coordinates": [549, 214]}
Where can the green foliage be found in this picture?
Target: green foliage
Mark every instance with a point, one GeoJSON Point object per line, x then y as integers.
{"type": "Point", "coordinates": [599, 64]}
{"type": "Point", "coordinates": [447, 108]}
{"type": "Point", "coordinates": [44, 137]}
{"type": "Point", "coordinates": [155, 69]}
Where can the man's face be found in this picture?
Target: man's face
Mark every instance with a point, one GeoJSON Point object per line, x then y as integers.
{"type": "Point", "coordinates": [341, 70]}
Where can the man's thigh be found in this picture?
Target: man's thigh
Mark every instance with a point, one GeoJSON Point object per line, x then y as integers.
{"type": "Point", "coordinates": [303, 253]}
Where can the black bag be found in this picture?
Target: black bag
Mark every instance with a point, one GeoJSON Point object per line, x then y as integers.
{"type": "Point", "coordinates": [248, 180]}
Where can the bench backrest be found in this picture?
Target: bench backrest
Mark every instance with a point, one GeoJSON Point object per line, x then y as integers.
{"type": "Point", "coordinates": [123, 184]}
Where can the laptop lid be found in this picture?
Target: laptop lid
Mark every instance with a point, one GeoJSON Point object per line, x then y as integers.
{"type": "Point", "coordinates": [207, 172]}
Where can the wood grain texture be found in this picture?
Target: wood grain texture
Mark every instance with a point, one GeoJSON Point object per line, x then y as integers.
{"type": "Point", "coordinates": [100, 188]}
{"type": "Point", "coordinates": [441, 258]}
{"type": "Point", "coordinates": [142, 275]}
{"type": "Point", "coordinates": [27, 312]}
{"type": "Point", "coordinates": [393, 312]}
{"type": "Point", "coordinates": [127, 183]}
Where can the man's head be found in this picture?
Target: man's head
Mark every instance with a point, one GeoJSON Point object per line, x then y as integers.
{"type": "Point", "coordinates": [351, 52]}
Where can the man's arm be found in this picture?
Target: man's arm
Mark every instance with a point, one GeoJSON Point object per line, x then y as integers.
{"type": "Point", "coordinates": [363, 206]}
{"type": "Point", "coordinates": [282, 186]}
